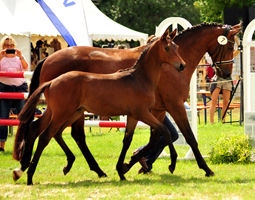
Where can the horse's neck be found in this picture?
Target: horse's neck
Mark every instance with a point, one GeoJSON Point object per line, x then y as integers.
{"type": "Point", "coordinates": [148, 68]}
{"type": "Point", "coordinates": [139, 49]}
{"type": "Point", "coordinates": [192, 47]}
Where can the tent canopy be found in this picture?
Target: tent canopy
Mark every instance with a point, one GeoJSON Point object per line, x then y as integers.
{"type": "Point", "coordinates": [27, 16]}
{"type": "Point", "coordinates": [101, 27]}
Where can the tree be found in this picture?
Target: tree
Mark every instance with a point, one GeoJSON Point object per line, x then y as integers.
{"type": "Point", "coordinates": [212, 10]}
{"type": "Point", "coordinates": [145, 15]}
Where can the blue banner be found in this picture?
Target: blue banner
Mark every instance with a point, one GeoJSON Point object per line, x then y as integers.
{"type": "Point", "coordinates": [68, 16]}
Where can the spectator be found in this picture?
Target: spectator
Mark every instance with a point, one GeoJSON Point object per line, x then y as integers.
{"type": "Point", "coordinates": [209, 72]}
{"type": "Point", "coordinates": [11, 60]}
{"type": "Point", "coordinates": [224, 86]}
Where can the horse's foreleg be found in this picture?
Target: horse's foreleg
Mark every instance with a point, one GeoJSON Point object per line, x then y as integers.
{"type": "Point", "coordinates": [154, 137]}
{"type": "Point", "coordinates": [80, 138]}
{"type": "Point", "coordinates": [160, 128]}
{"type": "Point", "coordinates": [129, 132]}
{"type": "Point", "coordinates": [181, 119]}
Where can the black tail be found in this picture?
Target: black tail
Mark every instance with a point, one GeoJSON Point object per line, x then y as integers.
{"type": "Point", "coordinates": [35, 81]}
{"type": "Point", "coordinates": [29, 107]}
{"type": "Point", "coordinates": [20, 135]}
{"type": "Point", "coordinates": [24, 116]}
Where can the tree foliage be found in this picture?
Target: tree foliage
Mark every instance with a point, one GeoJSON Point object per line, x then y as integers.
{"type": "Point", "coordinates": [145, 15]}
{"type": "Point", "coordinates": [212, 10]}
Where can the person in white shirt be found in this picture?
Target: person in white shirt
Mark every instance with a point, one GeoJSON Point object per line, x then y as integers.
{"type": "Point", "coordinates": [11, 60]}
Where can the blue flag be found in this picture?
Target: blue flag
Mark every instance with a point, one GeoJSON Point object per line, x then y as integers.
{"type": "Point", "coordinates": [68, 16]}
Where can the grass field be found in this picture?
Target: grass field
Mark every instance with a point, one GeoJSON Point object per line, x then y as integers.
{"type": "Point", "coordinates": [232, 181]}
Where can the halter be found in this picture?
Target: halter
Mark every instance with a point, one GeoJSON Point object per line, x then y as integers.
{"type": "Point", "coordinates": [221, 47]}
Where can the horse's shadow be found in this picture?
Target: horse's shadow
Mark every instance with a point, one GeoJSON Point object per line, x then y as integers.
{"type": "Point", "coordinates": [166, 179]}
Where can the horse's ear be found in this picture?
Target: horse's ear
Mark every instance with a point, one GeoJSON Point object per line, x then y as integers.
{"type": "Point", "coordinates": [173, 34]}
{"type": "Point", "coordinates": [236, 29]}
{"type": "Point", "coordinates": [238, 25]}
{"type": "Point", "coordinates": [150, 38]}
{"type": "Point", "coordinates": [164, 36]}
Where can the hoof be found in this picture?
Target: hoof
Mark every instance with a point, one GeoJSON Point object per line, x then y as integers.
{"type": "Point", "coordinates": [65, 171]}
{"type": "Point", "coordinates": [125, 168]}
{"type": "Point", "coordinates": [143, 171]}
{"type": "Point", "coordinates": [122, 177]}
{"type": "Point", "coordinates": [29, 183]}
{"type": "Point", "coordinates": [16, 174]}
{"type": "Point", "coordinates": [143, 163]}
{"type": "Point", "coordinates": [102, 175]}
{"type": "Point", "coordinates": [211, 173]}
{"type": "Point", "coordinates": [171, 169]}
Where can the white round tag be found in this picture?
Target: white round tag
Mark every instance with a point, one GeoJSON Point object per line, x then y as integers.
{"type": "Point", "coordinates": [222, 40]}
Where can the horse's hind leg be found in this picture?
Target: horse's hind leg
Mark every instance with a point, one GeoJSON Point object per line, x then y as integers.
{"type": "Point", "coordinates": [34, 130]}
{"type": "Point", "coordinates": [80, 138]}
{"type": "Point", "coordinates": [181, 119]}
{"type": "Point", "coordinates": [44, 140]}
{"type": "Point", "coordinates": [173, 154]}
{"type": "Point", "coordinates": [70, 156]}
{"type": "Point", "coordinates": [129, 132]}
{"type": "Point", "coordinates": [157, 128]}
{"type": "Point", "coordinates": [25, 161]}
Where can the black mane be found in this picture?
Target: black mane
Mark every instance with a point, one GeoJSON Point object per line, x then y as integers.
{"type": "Point", "coordinates": [141, 57]}
{"type": "Point", "coordinates": [198, 27]}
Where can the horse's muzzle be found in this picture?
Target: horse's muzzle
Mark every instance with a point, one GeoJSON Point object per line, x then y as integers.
{"type": "Point", "coordinates": [228, 75]}
{"type": "Point", "coordinates": [225, 75]}
{"type": "Point", "coordinates": [182, 67]}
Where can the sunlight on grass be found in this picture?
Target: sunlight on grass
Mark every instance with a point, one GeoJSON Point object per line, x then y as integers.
{"type": "Point", "coordinates": [232, 181]}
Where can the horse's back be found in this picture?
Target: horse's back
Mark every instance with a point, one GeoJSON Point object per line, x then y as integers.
{"type": "Point", "coordinates": [88, 59]}
{"type": "Point", "coordinates": [112, 92]}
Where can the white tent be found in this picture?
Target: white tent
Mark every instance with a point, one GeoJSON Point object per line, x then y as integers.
{"type": "Point", "coordinates": [28, 16]}
{"type": "Point", "coordinates": [24, 17]}
{"type": "Point", "coordinates": [100, 27]}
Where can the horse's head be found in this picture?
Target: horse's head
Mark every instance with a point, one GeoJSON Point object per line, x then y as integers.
{"type": "Point", "coordinates": [222, 51]}
{"type": "Point", "coordinates": [169, 53]}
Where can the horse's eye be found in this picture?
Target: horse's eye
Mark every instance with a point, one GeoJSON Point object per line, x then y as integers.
{"type": "Point", "coordinates": [167, 48]}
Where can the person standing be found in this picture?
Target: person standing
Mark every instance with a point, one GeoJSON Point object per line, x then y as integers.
{"type": "Point", "coordinates": [223, 86]}
{"type": "Point", "coordinates": [209, 73]}
{"type": "Point", "coordinates": [11, 60]}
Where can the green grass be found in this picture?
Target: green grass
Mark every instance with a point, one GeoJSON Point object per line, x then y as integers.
{"type": "Point", "coordinates": [232, 181]}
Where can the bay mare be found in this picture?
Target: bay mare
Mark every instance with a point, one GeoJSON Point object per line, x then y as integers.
{"type": "Point", "coordinates": [193, 44]}
{"type": "Point", "coordinates": [128, 92]}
